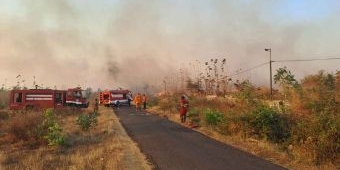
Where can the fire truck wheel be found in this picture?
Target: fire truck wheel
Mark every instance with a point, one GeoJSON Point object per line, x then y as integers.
{"type": "Point", "coordinates": [117, 103]}
{"type": "Point", "coordinates": [29, 107]}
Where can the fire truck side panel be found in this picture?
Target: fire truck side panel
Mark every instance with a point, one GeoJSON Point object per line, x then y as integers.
{"type": "Point", "coordinates": [36, 98]}
{"type": "Point", "coordinates": [46, 98]}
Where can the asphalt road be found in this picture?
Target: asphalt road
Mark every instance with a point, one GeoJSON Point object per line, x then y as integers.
{"type": "Point", "coordinates": [170, 146]}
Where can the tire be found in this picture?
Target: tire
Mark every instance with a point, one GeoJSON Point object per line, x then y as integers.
{"type": "Point", "coordinates": [29, 107]}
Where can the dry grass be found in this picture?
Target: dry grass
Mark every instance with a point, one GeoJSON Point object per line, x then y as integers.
{"type": "Point", "coordinates": [105, 147]}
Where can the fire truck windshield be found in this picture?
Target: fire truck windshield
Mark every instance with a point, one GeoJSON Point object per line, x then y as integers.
{"type": "Point", "coordinates": [77, 94]}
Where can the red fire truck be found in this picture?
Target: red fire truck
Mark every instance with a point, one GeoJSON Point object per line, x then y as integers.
{"type": "Point", "coordinates": [46, 98]}
{"type": "Point", "coordinates": [75, 97]}
{"type": "Point", "coordinates": [115, 97]}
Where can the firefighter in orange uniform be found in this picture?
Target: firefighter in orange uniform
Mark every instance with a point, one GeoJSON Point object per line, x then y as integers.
{"type": "Point", "coordinates": [138, 101]}
{"type": "Point", "coordinates": [184, 104]}
{"type": "Point", "coordinates": [144, 99]}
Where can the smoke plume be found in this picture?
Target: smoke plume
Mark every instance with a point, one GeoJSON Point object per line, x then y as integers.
{"type": "Point", "coordinates": [135, 44]}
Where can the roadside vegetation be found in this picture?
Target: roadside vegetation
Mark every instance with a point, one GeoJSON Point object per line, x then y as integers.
{"type": "Point", "coordinates": [299, 128]}
{"type": "Point", "coordinates": [68, 138]}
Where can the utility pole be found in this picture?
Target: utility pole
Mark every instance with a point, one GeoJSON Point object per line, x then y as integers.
{"type": "Point", "coordinates": [270, 71]}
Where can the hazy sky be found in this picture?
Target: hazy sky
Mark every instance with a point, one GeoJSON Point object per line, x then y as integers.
{"type": "Point", "coordinates": [131, 43]}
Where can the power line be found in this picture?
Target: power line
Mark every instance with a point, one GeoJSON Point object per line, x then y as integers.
{"type": "Point", "coordinates": [249, 69]}
{"type": "Point", "coordinates": [316, 59]}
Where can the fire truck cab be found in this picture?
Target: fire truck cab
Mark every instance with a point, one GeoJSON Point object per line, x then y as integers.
{"type": "Point", "coordinates": [115, 97]}
{"type": "Point", "coordinates": [75, 98]}
{"type": "Point", "coordinates": [45, 98]}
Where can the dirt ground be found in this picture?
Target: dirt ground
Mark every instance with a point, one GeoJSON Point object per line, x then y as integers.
{"type": "Point", "coordinates": [107, 146]}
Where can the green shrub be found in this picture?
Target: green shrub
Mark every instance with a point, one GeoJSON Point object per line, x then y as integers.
{"type": "Point", "coordinates": [54, 135]}
{"type": "Point", "coordinates": [269, 124]}
{"type": "Point", "coordinates": [86, 121]}
{"type": "Point", "coordinates": [212, 117]}
{"type": "Point", "coordinates": [52, 132]}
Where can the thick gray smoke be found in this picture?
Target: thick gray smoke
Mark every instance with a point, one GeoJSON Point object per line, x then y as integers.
{"type": "Point", "coordinates": [135, 44]}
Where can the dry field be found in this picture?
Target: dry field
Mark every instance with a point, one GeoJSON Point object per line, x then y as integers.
{"type": "Point", "coordinates": [107, 146]}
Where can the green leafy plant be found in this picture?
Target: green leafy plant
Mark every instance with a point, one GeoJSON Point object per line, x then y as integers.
{"type": "Point", "coordinates": [212, 117]}
{"type": "Point", "coordinates": [53, 131]}
{"type": "Point", "coordinates": [86, 121]}
{"type": "Point", "coordinates": [54, 135]}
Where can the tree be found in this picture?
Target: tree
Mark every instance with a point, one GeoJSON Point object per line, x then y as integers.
{"type": "Point", "coordinates": [285, 77]}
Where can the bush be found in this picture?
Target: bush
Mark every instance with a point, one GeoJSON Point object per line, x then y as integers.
{"type": "Point", "coordinates": [86, 121]}
{"type": "Point", "coordinates": [269, 124]}
{"type": "Point", "coordinates": [212, 118]}
{"type": "Point", "coordinates": [319, 134]}
{"type": "Point", "coordinates": [54, 135]}
{"type": "Point", "coordinates": [52, 130]}
{"type": "Point", "coordinates": [328, 138]}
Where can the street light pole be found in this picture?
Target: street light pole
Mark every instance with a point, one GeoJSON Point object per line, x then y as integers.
{"type": "Point", "coordinates": [270, 71]}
